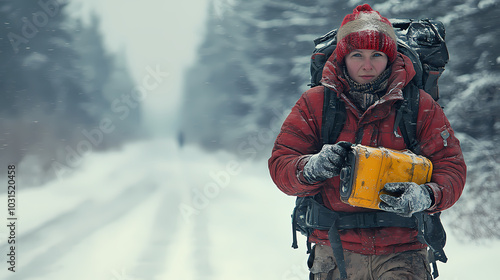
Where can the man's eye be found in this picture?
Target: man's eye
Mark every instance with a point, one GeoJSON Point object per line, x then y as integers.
{"type": "Point", "coordinates": [377, 55]}
{"type": "Point", "coordinates": [356, 55]}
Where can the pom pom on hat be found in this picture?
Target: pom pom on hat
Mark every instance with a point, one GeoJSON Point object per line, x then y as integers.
{"type": "Point", "coordinates": [366, 29]}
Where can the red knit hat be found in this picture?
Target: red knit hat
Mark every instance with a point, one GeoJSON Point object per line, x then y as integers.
{"type": "Point", "coordinates": [366, 29]}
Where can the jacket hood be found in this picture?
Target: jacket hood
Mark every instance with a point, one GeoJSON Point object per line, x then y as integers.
{"type": "Point", "coordinates": [401, 74]}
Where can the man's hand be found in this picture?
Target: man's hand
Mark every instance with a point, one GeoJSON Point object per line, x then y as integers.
{"type": "Point", "coordinates": [327, 163]}
{"type": "Point", "coordinates": [412, 198]}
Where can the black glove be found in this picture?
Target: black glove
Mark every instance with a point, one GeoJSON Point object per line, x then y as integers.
{"type": "Point", "coordinates": [412, 198]}
{"type": "Point", "coordinates": [327, 163]}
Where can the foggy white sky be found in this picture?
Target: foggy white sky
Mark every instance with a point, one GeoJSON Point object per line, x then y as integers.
{"type": "Point", "coordinates": [155, 34]}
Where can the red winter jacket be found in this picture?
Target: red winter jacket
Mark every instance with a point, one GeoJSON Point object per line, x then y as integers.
{"type": "Point", "coordinates": [300, 138]}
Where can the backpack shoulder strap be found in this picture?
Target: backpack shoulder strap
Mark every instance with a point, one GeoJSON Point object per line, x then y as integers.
{"type": "Point", "coordinates": [407, 116]}
{"type": "Point", "coordinates": [333, 117]}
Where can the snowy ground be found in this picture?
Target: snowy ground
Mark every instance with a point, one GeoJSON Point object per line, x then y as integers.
{"type": "Point", "coordinates": [153, 211]}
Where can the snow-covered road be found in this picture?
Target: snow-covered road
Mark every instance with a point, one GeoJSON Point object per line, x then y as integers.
{"type": "Point", "coordinates": [123, 215]}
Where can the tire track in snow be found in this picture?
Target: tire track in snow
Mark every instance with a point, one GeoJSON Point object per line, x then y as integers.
{"type": "Point", "coordinates": [151, 262]}
{"type": "Point", "coordinates": [201, 252]}
{"type": "Point", "coordinates": [72, 228]}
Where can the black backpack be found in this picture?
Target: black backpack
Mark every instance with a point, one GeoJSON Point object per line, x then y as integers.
{"type": "Point", "coordinates": [423, 42]}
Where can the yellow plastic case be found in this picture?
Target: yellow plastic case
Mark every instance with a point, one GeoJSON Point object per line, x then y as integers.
{"type": "Point", "coordinates": [369, 169]}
